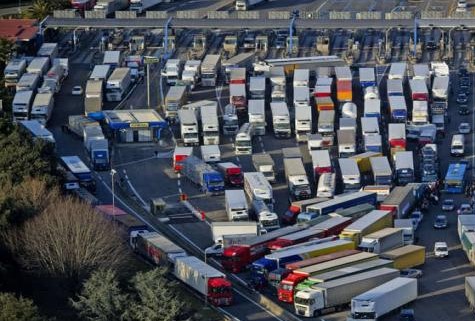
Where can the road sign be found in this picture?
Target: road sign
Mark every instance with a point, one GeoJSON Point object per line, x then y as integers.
{"type": "Point", "coordinates": [150, 60]}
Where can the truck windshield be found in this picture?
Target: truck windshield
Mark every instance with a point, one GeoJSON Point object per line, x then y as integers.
{"type": "Point", "coordinates": [221, 290]}
{"type": "Point", "coordinates": [282, 126]}
{"type": "Point", "coordinates": [287, 287]}
{"type": "Point", "coordinates": [215, 183]}
{"type": "Point", "coordinates": [211, 133]}
{"type": "Point", "coordinates": [190, 135]}
{"type": "Point", "coordinates": [303, 301]}
{"type": "Point", "coordinates": [243, 143]}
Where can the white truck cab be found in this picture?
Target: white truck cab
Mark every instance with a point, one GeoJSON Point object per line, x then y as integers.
{"type": "Point", "coordinates": [441, 249]}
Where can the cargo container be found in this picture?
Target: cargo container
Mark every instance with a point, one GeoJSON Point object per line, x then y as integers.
{"type": "Point", "coordinates": [373, 143]}
{"type": "Point", "coordinates": [221, 229]}
{"type": "Point", "coordinates": [398, 108]}
{"type": "Point", "coordinates": [329, 296]}
{"type": "Point", "coordinates": [381, 170]}
{"type": "Point", "coordinates": [383, 240]}
{"type": "Point", "coordinates": [342, 202]}
{"type": "Point", "coordinates": [205, 279]}
{"type": "Point", "coordinates": [394, 87]}
{"type": "Point", "coordinates": [371, 222]}
{"type": "Point", "coordinates": [401, 201]}
{"type": "Point", "coordinates": [406, 257]}
{"type": "Point", "coordinates": [157, 248]}
{"type": "Point", "coordinates": [354, 212]}
{"type": "Point", "coordinates": [397, 135]}
{"type": "Point", "coordinates": [381, 300]}
{"type": "Point", "coordinates": [367, 77]}
{"type": "Point", "coordinates": [346, 142]}
{"type": "Point", "coordinates": [203, 175]}
{"type": "Point", "coordinates": [363, 160]}
{"type": "Point", "coordinates": [407, 227]}
{"type": "Point", "coordinates": [350, 174]}
{"type": "Point", "coordinates": [470, 291]}
{"type": "Point", "coordinates": [372, 108]}
{"type": "Point", "coordinates": [397, 70]}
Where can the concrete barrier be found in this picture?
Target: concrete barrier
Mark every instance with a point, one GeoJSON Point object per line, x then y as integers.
{"type": "Point", "coordinates": [95, 14]}
{"type": "Point", "coordinates": [189, 14]}
{"type": "Point", "coordinates": [248, 15]}
{"type": "Point", "coordinates": [126, 14]}
{"type": "Point", "coordinates": [399, 15]}
{"type": "Point", "coordinates": [372, 15]}
{"type": "Point", "coordinates": [218, 15]}
{"type": "Point", "coordinates": [432, 14]}
{"type": "Point", "coordinates": [156, 15]}
{"type": "Point", "coordinates": [309, 15]}
{"type": "Point", "coordinates": [65, 14]}
{"type": "Point", "coordinates": [278, 15]}
{"type": "Point", "coordinates": [462, 15]}
{"type": "Point", "coordinates": [340, 15]}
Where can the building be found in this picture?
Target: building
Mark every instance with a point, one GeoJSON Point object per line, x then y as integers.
{"type": "Point", "coordinates": [133, 126]}
{"type": "Point", "coordinates": [24, 32]}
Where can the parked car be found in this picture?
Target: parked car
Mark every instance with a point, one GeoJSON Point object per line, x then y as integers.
{"type": "Point", "coordinates": [77, 91]}
{"type": "Point", "coordinates": [416, 217]}
{"type": "Point", "coordinates": [441, 249]}
{"type": "Point", "coordinates": [440, 222]}
{"type": "Point", "coordinates": [465, 128]}
{"type": "Point", "coordinates": [448, 205]}
{"type": "Point", "coordinates": [463, 110]}
{"type": "Point", "coordinates": [462, 98]}
{"type": "Point", "coordinates": [465, 208]}
{"type": "Point", "coordinates": [407, 315]}
{"type": "Point", "coordinates": [411, 273]}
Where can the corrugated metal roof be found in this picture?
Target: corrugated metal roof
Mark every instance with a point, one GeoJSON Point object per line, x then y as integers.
{"type": "Point", "coordinates": [18, 29]}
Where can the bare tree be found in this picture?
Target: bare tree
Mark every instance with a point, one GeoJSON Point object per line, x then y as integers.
{"type": "Point", "coordinates": [69, 239]}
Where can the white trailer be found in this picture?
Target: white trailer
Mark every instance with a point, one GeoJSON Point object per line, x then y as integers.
{"type": "Point", "coordinates": [326, 122]}
{"type": "Point", "coordinates": [220, 229]}
{"type": "Point", "coordinates": [210, 125]}
{"type": "Point", "coordinates": [267, 219]}
{"type": "Point", "coordinates": [38, 131]}
{"type": "Point", "coordinates": [189, 127]}
{"type": "Point", "coordinates": [346, 142]}
{"type": "Point", "coordinates": [210, 153]}
{"type": "Point", "coordinates": [265, 164]}
{"type": "Point", "coordinates": [42, 107]}
{"type": "Point", "coordinates": [243, 140]}
{"type": "Point", "coordinates": [49, 50]}
{"type": "Point", "coordinates": [230, 120]}
{"type": "Point", "coordinates": [348, 123]}
{"type": "Point", "coordinates": [383, 299]}
{"type": "Point", "coordinates": [394, 87]}
{"type": "Point", "coordinates": [38, 65]}
{"type": "Point", "coordinates": [369, 126]}
{"type": "Point", "coordinates": [257, 187]}
{"type": "Point", "coordinates": [236, 205]}
{"type": "Point", "coordinates": [372, 108]}
{"type": "Point", "coordinates": [367, 77]}
{"type": "Point", "coordinates": [301, 77]}
{"type": "Point", "coordinates": [301, 96]}
{"type": "Point", "coordinates": [404, 167]}
{"type": "Point", "coordinates": [349, 110]}
{"type": "Point", "coordinates": [257, 87]}
{"type": "Point", "coordinates": [297, 180]}
{"type": "Point", "coordinates": [281, 119]}
{"type": "Point", "coordinates": [101, 72]}
{"type": "Point", "coordinates": [257, 116]}
{"type": "Point", "coordinates": [191, 74]}
{"type": "Point", "coordinates": [397, 70]}
{"type": "Point", "coordinates": [440, 88]}
{"type": "Point", "coordinates": [421, 71]}
{"type": "Point", "coordinates": [407, 227]}
{"type": "Point", "coordinates": [383, 240]}
{"type": "Point", "coordinates": [350, 174]}
{"type": "Point", "coordinates": [303, 122]}
{"type": "Point", "coordinates": [21, 105]}
{"type": "Point", "coordinates": [90, 134]}
{"type": "Point", "coordinates": [209, 70]}
{"type": "Point", "coordinates": [28, 82]}
{"type": "Point", "coordinates": [13, 72]}
{"type": "Point", "coordinates": [118, 84]}
{"type": "Point", "coordinates": [172, 71]}
{"type": "Point", "coordinates": [382, 172]}
{"type": "Point", "coordinates": [326, 185]}
{"type": "Point", "coordinates": [470, 290]}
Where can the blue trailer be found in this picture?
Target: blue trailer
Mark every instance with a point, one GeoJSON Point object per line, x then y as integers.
{"type": "Point", "coordinates": [203, 175]}
{"type": "Point", "coordinates": [342, 202]}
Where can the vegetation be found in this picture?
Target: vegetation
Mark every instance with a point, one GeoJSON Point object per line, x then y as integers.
{"type": "Point", "coordinates": [40, 9]}
{"type": "Point", "coordinates": [18, 309]}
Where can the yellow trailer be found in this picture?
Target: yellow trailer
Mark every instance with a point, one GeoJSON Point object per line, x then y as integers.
{"type": "Point", "coordinates": [369, 223]}
{"type": "Point", "coordinates": [363, 160]}
{"type": "Point", "coordinates": [406, 257]}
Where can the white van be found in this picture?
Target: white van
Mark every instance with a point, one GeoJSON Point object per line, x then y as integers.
{"type": "Point", "coordinates": [457, 147]}
{"type": "Point", "coordinates": [326, 185]}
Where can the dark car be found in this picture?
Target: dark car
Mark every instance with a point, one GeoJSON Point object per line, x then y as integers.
{"type": "Point", "coordinates": [407, 315]}
{"type": "Point", "coordinates": [463, 110]}
{"type": "Point", "coordinates": [440, 221]}
{"type": "Point", "coordinates": [463, 72]}
{"type": "Point", "coordinates": [462, 98]}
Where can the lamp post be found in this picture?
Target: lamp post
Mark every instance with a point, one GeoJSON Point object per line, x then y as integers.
{"type": "Point", "coordinates": [113, 172]}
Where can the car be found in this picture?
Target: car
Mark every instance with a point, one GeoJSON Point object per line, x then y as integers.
{"type": "Point", "coordinates": [465, 128]}
{"type": "Point", "coordinates": [407, 315]}
{"type": "Point", "coordinates": [463, 72]}
{"type": "Point", "coordinates": [77, 91]}
{"type": "Point", "coordinates": [440, 221]}
{"type": "Point", "coordinates": [441, 249]}
{"type": "Point", "coordinates": [411, 273]}
{"type": "Point", "coordinates": [416, 217]}
{"type": "Point", "coordinates": [448, 205]}
{"type": "Point", "coordinates": [462, 98]}
{"type": "Point", "coordinates": [465, 208]}
{"type": "Point", "coordinates": [464, 80]}
{"type": "Point", "coordinates": [464, 110]}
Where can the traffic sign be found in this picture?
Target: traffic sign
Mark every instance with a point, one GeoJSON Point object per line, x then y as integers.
{"type": "Point", "coordinates": [150, 60]}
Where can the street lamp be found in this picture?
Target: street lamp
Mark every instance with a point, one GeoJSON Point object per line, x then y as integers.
{"type": "Point", "coordinates": [113, 172]}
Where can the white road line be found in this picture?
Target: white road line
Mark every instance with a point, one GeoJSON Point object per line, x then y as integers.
{"type": "Point", "coordinates": [178, 182]}
{"type": "Point", "coordinates": [180, 190]}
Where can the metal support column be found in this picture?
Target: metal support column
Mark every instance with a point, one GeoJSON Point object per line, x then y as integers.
{"type": "Point", "coordinates": [167, 25]}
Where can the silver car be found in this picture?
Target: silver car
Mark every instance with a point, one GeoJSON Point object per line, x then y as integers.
{"type": "Point", "coordinates": [448, 205]}
{"type": "Point", "coordinates": [465, 128]}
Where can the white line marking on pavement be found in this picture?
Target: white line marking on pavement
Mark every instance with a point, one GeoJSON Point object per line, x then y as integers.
{"type": "Point", "coordinates": [178, 182]}
{"type": "Point", "coordinates": [180, 190]}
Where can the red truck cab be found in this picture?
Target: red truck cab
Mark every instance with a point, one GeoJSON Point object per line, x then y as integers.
{"type": "Point", "coordinates": [220, 292]}
{"type": "Point", "coordinates": [236, 258]}
{"type": "Point", "coordinates": [232, 173]}
{"type": "Point", "coordinates": [286, 289]}
{"type": "Point", "coordinates": [82, 5]}
{"type": "Point", "coordinates": [179, 155]}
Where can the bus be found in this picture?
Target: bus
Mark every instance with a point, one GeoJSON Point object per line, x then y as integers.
{"type": "Point", "coordinates": [455, 178]}
{"type": "Point", "coordinates": [77, 167]}
{"type": "Point", "coordinates": [342, 202]}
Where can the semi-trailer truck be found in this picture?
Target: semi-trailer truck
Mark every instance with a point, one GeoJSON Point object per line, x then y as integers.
{"type": "Point", "coordinates": [303, 122]}
{"type": "Point", "coordinates": [189, 127]}
{"type": "Point", "coordinates": [281, 119]}
{"type": "Point", "coordinates": [369, 223]}
{"type": "Point", "coordinates": [236, 205]}
{"type": "Point", "coordinates": [265, 164]}
{"type": "Point", "coordinates": [232, 173]}
{"type": "Point", "coordinates": [210, 125]}
{"type": "Point", "coordinates": [400, 201]}
{"type": "Point", "coordinates": [297, 180]}
{"type": "Point", "coordinates": [202, 175]}
{"type": "Point", "coordinates": [383, 240]}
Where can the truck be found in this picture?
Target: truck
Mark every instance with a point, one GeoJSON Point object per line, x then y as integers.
{"type": "Point", "coordinates": [172, 71]}
{"type": "Point", "coordinates": [342, 202]}
{"type": "Point", "coordinates": [301, 96]}
{"type": "Point", "coordinates": [230, 45]}
{"type": "Point", "coordinates": [38, 131]}
{"type": "Point", "coordinates": [277, 80]}
{"type": "Point", "coordinates": [237, 257]}
{"type": "Point", "coordinates": [398, 108]}
{"type": "Point", "coordinates": [394, 87]}
{"type": "Point", "coordinates": [465, 223]}
{"type": "Point", "coordinates": [280, 119]}
{"type": "Point", "coordinates": [421, 71]}
{"type": "Point", "coordinates": [381, 300]}
{"type": "Point", "coordinates": [243, 140]}
{"type": "Point", "coordinates": [189, 127]}
{"type": "Point", "coordinates": [381, 170]}
{"type": "Point", "coordinates": [100, 72]}
{"type": "Point", "coordinates": [237, 96]}
{"type": "Point", "coordinates": [323, 86]}
{"type": "Point", "coordinates": [319, 141]}
{"type": "Point", "coordinates": [324, 103]}
{"type": "Point", "coordinates": [28, 81]}
{"type": "Point", "coordinates": [14, 71]}
{"type": "Point", "coordinates": [349, 110]}
{"type": "Point", "coordinates": [326, 122]}
{"type": "Point", "coordinates": [210, 125]}
{"type": "Point", "coordinates": [175, 99]}
{"type": "Point", "coordinates": [230, 120]}
{"type": "Point", "coordinates": [303, 123]}
{"type": "Point", "coordinates": [418, 90]}
{"type": "Point", "coordinates": [140, 6]}
{"type": "Point", "coordinates": [111, 6]}
{"type": "Point", "coordinates": [243, 5]}
{"type": "Point", "coordinates": [243, 60]}
{"type": "Point", "coordinates": [301, 77]}
{"type": "Point", "coordinates": [257, 116]}
{"type": "Point", "coordinates": [157, 249]}
{"type": "Point", "coordinates": [328, 296]}
{"type": "Point", "coordinates": [350, 174]}
{"type": "Point", "coordinates": [202, 175]}
{"type": "Point", "coordinates": [232, 173]}
{"type": "Point", "coordinates": [407, 227]}
{"type": "Point", "coordinates": [420, 112]}
{"type": "Point", "coordinates": [298, 207]}
{"type": "Point", "coordinates": [191, 74]}
{"type": "Point", "coordinates": [367, 77]}
{"type": "Point", "coordinates": [373, 143]}
{"type": "Point", "coordinates": [210, 153]}
{"type": "Point", "coordinates": [38, 65]}
{"type": "Point", "coordinates": [118, 84]}
{"type": "Point", "coordinates": [21, 105]}
{"type": "Point", "coordinates": [346, 142]}
{"type": "Point", "coordinates": [205, 279]}
{"type": "Point", "coordinates": [93, 98]}
{"type": "Point", "coordinates": [321, 163]}
{"type": "Point", "coordinates": [55, 75]}
{"type": "Point", "coordinates": [401, 201]}
{"type": "Point", "coordinates": [363, 160]}
{"type": "Point", "coordinates": [265, 164]}
{"type": "Point", "coordinates": [383, 240]}
{"type": "Point", "coordinates": [297, 180]}
{"type": "Point", "coordinates": [440, 89]}
{"type": "Point", "coordinates": [397, 70]}
{"type": "Point", "coordinates": [99, 154]}
{"type": "Point", "coordinates": [236, 205]}
{"type": "Point", "coordinates": [371, 222]}
{"type": "Point", "coordinates": [267, 219]}
{"type": "Point", "coordinates": [42, 107]}
{"type": "Point", "coordinates": [344, 84]}
{"type": "Point", "coordinates": [369, 126]}
{"type": "Point", "coordinates": [470, 290]}
{"type": "Point", "coordinates": [261, 267]}
{"type": "Point", "coordinates": [112, 58]}
{"type": "Point", "coordinates": [397, 135]}
{"type": "Point", "coordinates": [404, 167]}
{"type": "Point", "coordinates": [348, 123]}
{"type": "Point", "coordinates": [354, 212]}
{"type": "Point", "coordinates": [90, 134]}
{"type": "Point", "coordinates": [179, 155]}
{"type": "Point", "coordinates": [406, 257]}
{"type": "Point", "coordinates": [371, 93]}
{"type": "Point", "coordinates": [257, 187]}
{"type": "Point", "coordinates": [220, 230]}
{"type": "Point", "coordinates": [257, 87]}
{"type": "Point", "coordinates": [210, 68]}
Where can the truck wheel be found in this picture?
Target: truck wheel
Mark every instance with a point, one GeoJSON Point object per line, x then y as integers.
{"type": "Point", "coordinates": [316, 313]}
